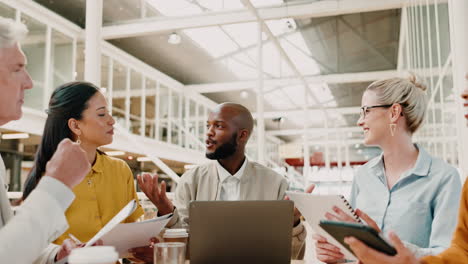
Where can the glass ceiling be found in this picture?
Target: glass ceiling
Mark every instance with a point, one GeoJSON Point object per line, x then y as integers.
{"type": "Point", "coordinates": [193, 7]}
{"type": "Point", "coordinates": [235, 47]}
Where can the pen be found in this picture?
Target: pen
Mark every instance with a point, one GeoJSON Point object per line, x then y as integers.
{"type": "Point", "coordinates": [76, 240]}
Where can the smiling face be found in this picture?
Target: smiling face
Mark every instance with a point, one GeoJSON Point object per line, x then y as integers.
{"type": "Point", "coordinates": [96, 128]}
{"type": "Point", "coordinates": [14, 79]}
{"type": "Point", "coordinates": [376, 121]}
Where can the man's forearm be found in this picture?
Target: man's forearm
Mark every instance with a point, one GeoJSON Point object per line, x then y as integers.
{"type": "Point", "coordinates": [38, 222]}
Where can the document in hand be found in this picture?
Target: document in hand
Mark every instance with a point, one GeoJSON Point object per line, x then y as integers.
{"type": "Point", "coordinates": [314, 207]}
{"type": "Point", "coordinates": [126, 236]}
{"type": "Point", "coordinates": [129, 235]}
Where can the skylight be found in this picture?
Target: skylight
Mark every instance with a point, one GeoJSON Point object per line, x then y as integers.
{"type": "Point", "coordinates": [241, 70]}
{"type": "Point", "coordinates": [277, 27]}
{"type": "Point", "coordinates": [258, 3]}
{"type": "Point", "coordinates": [323, 94]}
{"type": "Point", "coordinates": [175, 7]}
{"type": "Point", "coordinates": [277, 100]}
{"type": "Point", "coordinates": [245, 34]}
{"type": "Point", "coordinates": [271, 59]}
{"type": "Point", "coordinates": [299, 42]}
{"type": "Point", "coordinates": [220, 5]}
{"type": "Point", "coordinates": [212, 39]}
{"type": "Point", "coordinates": [296, 94]}
{"type": "Point", "coordinates": [304, 64]}
{"type": "Point", "coordinates": [192, 7]}
{"type": "Point", "coordinates": [229, 40]}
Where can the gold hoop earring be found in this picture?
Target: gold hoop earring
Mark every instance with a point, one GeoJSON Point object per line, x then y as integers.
{"type": "Point", "coordinates": [78, 141]}
{"type": "Point", "coordinates": [392, 129]}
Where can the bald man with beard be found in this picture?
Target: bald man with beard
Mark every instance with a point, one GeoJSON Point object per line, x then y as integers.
{"type": "Point", "coordinates": [229, 177]}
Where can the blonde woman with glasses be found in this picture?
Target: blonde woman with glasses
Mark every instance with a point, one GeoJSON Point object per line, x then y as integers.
{"type": "Point", "coordinates": [404, 189]}
{"type": "Point", "coordinates": [455, 254]}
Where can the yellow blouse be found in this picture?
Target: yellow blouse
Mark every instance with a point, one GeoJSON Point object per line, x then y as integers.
{"type": "Point", "coordinates": [457, 253]}
{"type": "Point", "coordinates": [107, 188]}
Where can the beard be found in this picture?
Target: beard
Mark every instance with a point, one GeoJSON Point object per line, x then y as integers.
{"type": "Point", "coordinates": [225, 150]}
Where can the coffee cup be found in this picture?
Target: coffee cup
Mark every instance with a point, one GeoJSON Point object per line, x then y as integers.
{"type": "Point", "coordinates": [176, 235]}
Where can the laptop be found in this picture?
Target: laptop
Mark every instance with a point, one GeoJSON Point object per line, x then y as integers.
{"type": "Point", "coordinates": [240, 232]}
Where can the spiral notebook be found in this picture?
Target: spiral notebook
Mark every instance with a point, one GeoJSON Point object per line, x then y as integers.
{"type": "Point", "coordinates": [314, 207]}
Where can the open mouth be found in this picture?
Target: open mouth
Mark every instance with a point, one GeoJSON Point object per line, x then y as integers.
{"type": "Point", "coordinates": [209, 143]}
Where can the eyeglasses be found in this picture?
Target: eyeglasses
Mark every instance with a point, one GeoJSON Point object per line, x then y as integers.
{"type": "Point", "coordinates": [365, 109]}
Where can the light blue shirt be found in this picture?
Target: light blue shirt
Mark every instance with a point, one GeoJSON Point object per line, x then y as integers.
{"type": "Point", "coordinates": [421, 208]}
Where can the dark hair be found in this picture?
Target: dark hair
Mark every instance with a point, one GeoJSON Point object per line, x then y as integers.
{"type": "Point", "coordinates": [67, 101]}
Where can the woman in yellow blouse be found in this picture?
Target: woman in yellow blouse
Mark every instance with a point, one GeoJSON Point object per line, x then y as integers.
{"type": "Point", "coordinates": [78, 111]}
{"type": "Point", "coordinates": [457, 253]}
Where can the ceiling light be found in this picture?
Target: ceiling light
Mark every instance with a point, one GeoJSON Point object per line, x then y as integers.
{"type": "Point", "coordinates": [174, 38]}
{"type": "Point", "coordinates": [143, 159]}
{"type": "Point", "coordinates": [115, 153]}
{"type": "Point", "coordinates": [356, 146]}
{"type": "Point", "coordinates": [15, 135]}
{"type": "Point", "coordinates": [244, 94]}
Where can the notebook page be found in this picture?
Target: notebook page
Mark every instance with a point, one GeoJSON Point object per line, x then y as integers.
{"type": "Point", "coordinates": [313, 208]}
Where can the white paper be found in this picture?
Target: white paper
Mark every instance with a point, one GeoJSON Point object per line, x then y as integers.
{"type": "Point", "coordinates": [122, 215]}
{"type": "Point", "coordinates": [314, 207]}
{"type": "Point", "coordinates": [130, 235]}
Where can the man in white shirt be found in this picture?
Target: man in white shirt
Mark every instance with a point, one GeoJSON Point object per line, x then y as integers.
{"type": "Point", "coordinates": [41, 219]}
{"type": "Point", "coordinates": [231, 176]}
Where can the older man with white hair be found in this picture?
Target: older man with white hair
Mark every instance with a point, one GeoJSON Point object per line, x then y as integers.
{"type": "Point", "coordinates": [41, 219]}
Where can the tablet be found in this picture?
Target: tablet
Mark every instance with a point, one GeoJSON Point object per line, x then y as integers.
{"type": "Point", "coordinates": [368, 235]}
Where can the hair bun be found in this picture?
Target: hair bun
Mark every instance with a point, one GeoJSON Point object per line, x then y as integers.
{"type": "Point", "coordinates": [417, 82]}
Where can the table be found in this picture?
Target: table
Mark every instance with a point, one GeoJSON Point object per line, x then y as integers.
{"type": "Point", "coordinates": [292, 262]}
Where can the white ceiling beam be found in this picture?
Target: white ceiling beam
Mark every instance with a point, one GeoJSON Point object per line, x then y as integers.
{"type": "Point", "coordinates": [289, 81]}
{"type": "Point", "coordinates": [41, 13]}
{"type": "Point", "coordinates": [301, 10]}
{"type": "Point", "coordinates": [290, 113]}
{"type": "Point", "coordinates": [319, 131]}
{"type": "Point", "coordinates": [334, 142]}
{"type": "Point", "coordinates": [312, 131]}
{"type": "Point", "coordinates": [312, 111]}
{"type": "Point", "coordinates": [152, 92]}
{"type": "Point", "coordinates": [337, 78]}
{"type": "Point", "coordinates": [338, 110]}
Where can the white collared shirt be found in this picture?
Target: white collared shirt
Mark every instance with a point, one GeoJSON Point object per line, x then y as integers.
{"type": "Point", "coordinates": [230, 184]}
